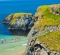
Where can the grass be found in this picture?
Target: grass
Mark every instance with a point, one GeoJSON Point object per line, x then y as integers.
{"type": "Point", "coordinates": [15, 15]}
{"type": "Point", "coordinates": [51, 40]}
{"type": "Point", "coordinates": [48, 17]}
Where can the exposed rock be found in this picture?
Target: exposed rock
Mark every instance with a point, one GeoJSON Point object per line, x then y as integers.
{"type": "Point", "coordinates": [55, 9]}
{"type": "Point", "coordinates": [46, 23]}
{"type": "Point", "coordinates": [20, 21]}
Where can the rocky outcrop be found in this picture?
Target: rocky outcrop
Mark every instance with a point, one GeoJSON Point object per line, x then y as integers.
{"type": "Point", "coordinates": [37, 48]}
{"type": "Point", "coordinates": [47, 23]}
{"type": "Point", "coordinates": [34, 43]}
{"type": "Point", "coordinates": [55, 9]}
{"type": "Point", "coordinates": [22, 21]}
{"type": "Point", "coordinates": [19, 22]}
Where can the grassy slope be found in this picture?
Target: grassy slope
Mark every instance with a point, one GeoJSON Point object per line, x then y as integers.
{"type": "Point", "coordinates": [51, 39]}
{"type": "Point", "coordinates": [48, 18]}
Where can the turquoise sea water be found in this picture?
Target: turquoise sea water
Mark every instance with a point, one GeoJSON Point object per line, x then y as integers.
{"type": "Point", "coordinates": [14, 48]}
{"type": "Point", "coordinates": [5, 36]}
{"type": "Point", "coordinates": [11, 38]}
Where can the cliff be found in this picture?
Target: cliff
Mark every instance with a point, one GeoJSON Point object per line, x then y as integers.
{"type": "Point", "coordinates": [22, 21]}
{"type": "Point", "coordinates": [44, 36]}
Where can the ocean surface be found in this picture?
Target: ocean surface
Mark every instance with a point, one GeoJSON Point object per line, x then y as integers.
{"type": "Point", "coordinates": [8, 7]}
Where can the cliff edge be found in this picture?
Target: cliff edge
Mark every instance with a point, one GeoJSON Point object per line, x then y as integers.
{"type": "Point", "coordinates": [44, 37]}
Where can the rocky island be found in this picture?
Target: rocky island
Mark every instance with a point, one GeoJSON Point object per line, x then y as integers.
{"type": "Point", "coordinates": [19, 22]}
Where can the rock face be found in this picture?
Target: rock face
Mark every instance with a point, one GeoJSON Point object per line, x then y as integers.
{"type": "Point", "coordinates": [43, 39]}
{"type": "Point", "coordinates": [37, 48]}
{"type": "Point", "coordinates": [55, 9]}
{"type": "Point", "coordinates": [20, 21]}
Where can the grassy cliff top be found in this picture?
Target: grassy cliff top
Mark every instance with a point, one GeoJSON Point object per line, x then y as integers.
{"type": "Point", "coordinates": [15, 16]}
{"type": "Point", "coordinates": [48, 18]}
{"type": "Point", "coordinates": [51, 40]}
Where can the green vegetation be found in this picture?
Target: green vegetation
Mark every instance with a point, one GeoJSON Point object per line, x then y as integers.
{"type": "Point", "coordinates": [45, 18]}
{"type": "Point", "coordinates": [51, 40]}
{"type": "Point", "coordinates": [48, 17]}
{"type": "Point", "coordinates": [14, 16]}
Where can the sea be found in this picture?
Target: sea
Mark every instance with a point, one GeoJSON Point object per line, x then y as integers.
{"type": "Point", "coordinates": [16, 6]}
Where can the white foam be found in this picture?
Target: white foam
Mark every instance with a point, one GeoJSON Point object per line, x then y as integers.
{"type": "Point", "coordinates": [24, 44]}
{"type": "Point", "coordinates": [10, 49]}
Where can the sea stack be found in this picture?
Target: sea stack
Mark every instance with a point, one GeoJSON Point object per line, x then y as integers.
{"type": "Point", "coordinates": [19, 21]}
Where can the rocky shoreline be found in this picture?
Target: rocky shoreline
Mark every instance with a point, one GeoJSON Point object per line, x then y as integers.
{"type": "Point", "coordinates": [23, 23]}
{"type": "Point", "coordinates": [45, 21]}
